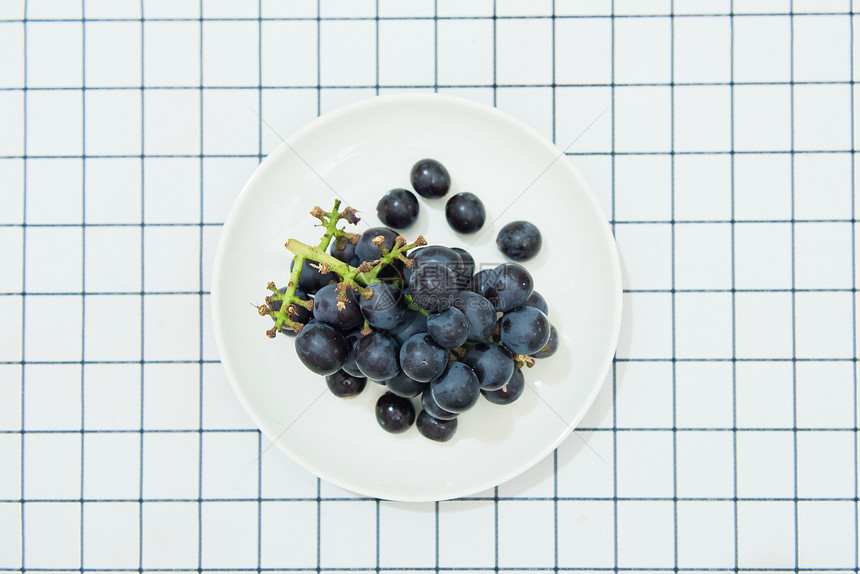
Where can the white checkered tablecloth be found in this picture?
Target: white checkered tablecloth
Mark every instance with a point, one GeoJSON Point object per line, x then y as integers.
{"type": "Point", "coordinates": [725, 439]}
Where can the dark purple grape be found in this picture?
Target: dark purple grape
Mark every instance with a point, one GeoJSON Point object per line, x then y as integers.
{"type": "Point", "coordinates": [433, 253]}
{"type": "Point", "coordinates": [413, 322]}
{"type": "Point", "coordinates": [433, 286]}
{"type": "Point", "coordinates": [351, 346]}
{"type": "Point", "coordinates": [422, 358]}
{"type": "Point", "coordinates": [479, 314]}
{"type": "Point", "coordinates": [435, 429]}
{"type": "Point", "coordinates": [537, 301]}
{"type": "Point", "coordinates": [434, 410]}
{"type": "Point", "coordinates": [321, 348]}
{"type": "Point", "coordinates": [398, 208]}
{"type": "Point", "coordinates": [386, 308]}
{"type": "Point", "coordinates": [404, 386]}
{"type": "Point", "coordinates": [525, 330]}
{"type": "Point", "coordinates": [394, 414]}
{"type": "Point", "coordinates": [310, 278]}
{"type": "Point", "coordinates": [449, 327]}
{"type": "Point", "coordinates": [519, 240]}
{"type": "Point", "coordinates": [551, 345]}
{"type": "Point", "coordinates": [510, 392]}
{"type": "Point", "coordinates": [343, 385]}
{"type": "Point", "coordinates": [509, 287]}
{"type": "Point", "coordinates": [492, 364]}
{"type": "Point", "coordinates": [430, 178]}
{"type": "Point", "coordinates": [465, 212]}
{"type": "Point", "coordinates": [365, 250]}
{"type": "Point", "coordinates": [376, 356]}
{"type": "Point", "coordinates": [328, 309]}
{"type": "Point", "coordinates": [457, 390]}
{"type": "Point", "coordinates": [465, 270]}
{"type": "Point", "coordinates": [482, 279]}
{"type": "Point", "coordinates": [342, 249]}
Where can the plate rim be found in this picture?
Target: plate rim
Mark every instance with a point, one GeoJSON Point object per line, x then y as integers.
{"type": "Point", "coordinates": [286, 146]}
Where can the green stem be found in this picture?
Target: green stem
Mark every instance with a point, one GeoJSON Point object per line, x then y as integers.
{"type": "Point", "coordinates": [412, 306]}
{"type": "Point", "coordinates": [331, 219]}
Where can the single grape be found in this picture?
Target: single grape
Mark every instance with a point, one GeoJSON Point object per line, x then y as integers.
{"type": "Point", "coordinates": [321, 348]}
{"type": "Point", "coordinates": [482, 279]}
{"type": "Point", "coordinates": [376, 356]}
{"type": "Point", "coordinates": [492, 364]}
{"type": "Point", "coordinates": [537, 301]}
{"type": "Point", "coordinates": [457, 390]}
{"type": "Point", "coordinates": [433, 286]}
{"type": "Point", "coordinates": [413, 322]}
{"type": "Point", "coordinates": [404, 386]}
{"type": "Point", "coordinates": [342, 249]}
{"type": "Point", "coordinates": [510, 392]}
{"type": "Point", "coordinates": [344, 385]}
{"type": "Point", "coordinates": [386, 308]}
{"type": "Point", "coordinates": [310, 278]}
{"type": "Point", "coordinates": [430, 178]}
{"type": "Point", "coordinates": [351, 346]}
{"type": "Point", "coordinates": [433, 253]}
{"type": "Point", "coordinates": [394, 414]}
{"type": "Point", "coordinates": [465, 270]}
{"type": "Point", "coordinates": [365, 250]}
{"type": "Point", "coordinates": [435, 429]}
{"type": "Point", "coordinates": [525, 330]}
{"type": "Point", "coordinates": [551, 345]}
{"type": "Point", "coordinates": [422, 358]}
{"type": "Point", "coordinates": [465, 212]}
{"type": "Point", "coordinates": [479, 314]}
{"type": "Point", "coordinates": [398, 208]}
{"type": "Point", "coordinates": [519, 240]}
{"type": "Point", "coordinates": [449, 327]}
{"type": "Point", "coordinates": [510, 286]}
{"type": "Point", "coordinates": [428, 403]}
{"type": "Point", "coordinates": [342, 315]}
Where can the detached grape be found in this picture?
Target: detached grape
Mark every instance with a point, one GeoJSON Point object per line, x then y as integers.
{"type": "Point", "coordinates": [398, 208]}
{"type": "Point", "coordinates": [465, 212]}
{"type": "Point", "coordinates": [430, 178]}
{"type": "Point", "coordinates": [519, 240]}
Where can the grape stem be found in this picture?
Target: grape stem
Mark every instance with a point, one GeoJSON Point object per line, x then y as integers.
{"type": "Point", "coordinates": [351, 277]}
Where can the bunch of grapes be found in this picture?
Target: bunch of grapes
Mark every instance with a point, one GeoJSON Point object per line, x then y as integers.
{"type": "Point", "coordinates": [418, 319]}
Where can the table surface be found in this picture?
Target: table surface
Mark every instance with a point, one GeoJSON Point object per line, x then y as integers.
{"type": "Point", "coordinates": [718, 138]}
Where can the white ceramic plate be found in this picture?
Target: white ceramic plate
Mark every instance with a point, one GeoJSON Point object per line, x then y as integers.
{"type": "Point", "coordinates": [357, 153]}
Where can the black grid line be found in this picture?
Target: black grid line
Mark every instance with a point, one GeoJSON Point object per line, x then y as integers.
{"type": "Point", "coordinates": [854, 307]}
{"type": "Point", "coordinates": [559, 492]}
